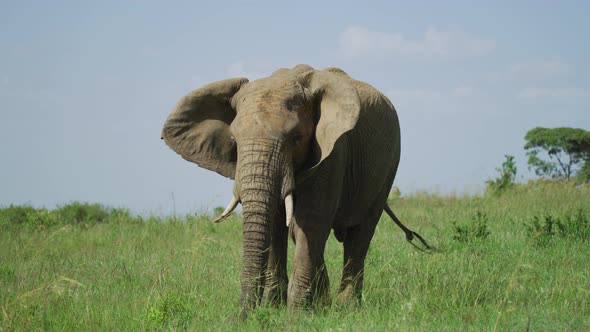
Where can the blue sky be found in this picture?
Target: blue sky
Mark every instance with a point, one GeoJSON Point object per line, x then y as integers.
{"type": "Point", "coordinates": [85, 88]}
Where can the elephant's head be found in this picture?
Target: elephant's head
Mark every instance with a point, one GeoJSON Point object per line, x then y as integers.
{"type": "Point", "coordinates": [266, 135]}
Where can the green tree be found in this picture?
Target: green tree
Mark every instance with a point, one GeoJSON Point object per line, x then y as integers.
{"type": "Point", "coordinates": [567, 149]}
{"type": "Point", "coordinates": [506, 178]}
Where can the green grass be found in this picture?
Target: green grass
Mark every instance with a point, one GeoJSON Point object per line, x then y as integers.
{"type": "Point", "coordinates": [86, 267]}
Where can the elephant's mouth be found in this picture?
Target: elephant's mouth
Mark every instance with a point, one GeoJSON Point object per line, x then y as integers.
{"type": "Point", "coordinates": [234, 203]}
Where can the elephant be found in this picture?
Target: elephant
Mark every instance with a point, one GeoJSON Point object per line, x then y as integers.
{"type": "Point", "coordinates": [310, 151]}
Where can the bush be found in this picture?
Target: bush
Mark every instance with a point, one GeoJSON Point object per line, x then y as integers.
{"type": "Point", "coordinates": [475, 229]}
{"type": "Point", "coordinates": [70, 214]}
{"type": "Point", "coordinates": [172, 309]}
{"type": "Point", "coordinates": [27, 215]}
{"type": "Point", "coordinates": [86, 213]}
{"type": "Point", "coordinates": [546, 229]}
{"type": "Point", "coordinates": [542, 229]}
{"type": "Point", "coordinates": [576, 226]}
{"type": "Point", "coordinates": [395, 194]}
{"type": "Point", "coordinates": [506, 178]}
{"type": "Point", "coordinates": [81, 213]}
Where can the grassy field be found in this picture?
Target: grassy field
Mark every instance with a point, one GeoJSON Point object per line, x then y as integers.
{"type": "Point", "coordinates": [512, 262]}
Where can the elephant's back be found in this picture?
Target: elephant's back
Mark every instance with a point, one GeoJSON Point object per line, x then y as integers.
{"type": "Point", "coordinates": [374, 104]}
{"type": "Point", "coordinates": [377, 131]}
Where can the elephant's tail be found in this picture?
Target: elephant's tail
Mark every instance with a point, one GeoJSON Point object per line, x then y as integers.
{"type": "Point", "coordinates": [410, 234]}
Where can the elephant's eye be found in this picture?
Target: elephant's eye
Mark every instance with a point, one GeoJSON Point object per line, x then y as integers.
{"type": "Point", "coordinates": [293, 105]}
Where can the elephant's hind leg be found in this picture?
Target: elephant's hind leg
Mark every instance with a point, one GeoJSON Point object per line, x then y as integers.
{"type": "Point", "coordinates": [356, 244]}
{"type": "Point", "coordinates": [355, 251]}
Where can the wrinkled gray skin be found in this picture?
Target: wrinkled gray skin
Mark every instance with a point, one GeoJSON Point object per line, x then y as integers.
{"type": "Point", "coordinates": [330, 141]}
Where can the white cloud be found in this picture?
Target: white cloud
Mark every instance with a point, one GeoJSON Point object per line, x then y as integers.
{"type": "Point", "coordinates": [534, 71]}
{"type": "Point", "coordinates": [540, 69]}
{"type": "Point", "coordinates": [447, 101]}
{"type": "Point", "coordinates": [537, 93]}
{"type": "Point", "coordinates": [357, 41]}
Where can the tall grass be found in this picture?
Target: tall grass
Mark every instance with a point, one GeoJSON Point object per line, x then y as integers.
{"type": "Point", "coordinates": [117, 271]}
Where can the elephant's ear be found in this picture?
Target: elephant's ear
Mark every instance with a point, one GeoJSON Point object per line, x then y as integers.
{"type": "Point", "coordinates": [337, 106]}
{"type": "Point", "coordinates": [198, 127]}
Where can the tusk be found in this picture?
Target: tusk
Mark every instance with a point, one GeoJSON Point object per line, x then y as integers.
{"type": "Point", "coordinates": [228, 210]}
{"type": "Point", "coordinates": [289, 209]}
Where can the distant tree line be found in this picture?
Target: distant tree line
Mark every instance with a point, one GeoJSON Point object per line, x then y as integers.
{"type": "Point", "coordinates": [554, 153]}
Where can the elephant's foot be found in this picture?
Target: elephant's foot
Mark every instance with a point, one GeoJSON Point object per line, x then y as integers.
{"type": "Point", "coordinates": [299, 299]}
{"type": "Point", "coordinates": [316, 293]}
{"type": "Point", "coordinates": [237, 317]}
{"type": "Point", "coordinates": [348, 296]}
{"type": "Point", "coordinates": [275, 293]}
{"type": "Point", "coordinates": [321, 293]}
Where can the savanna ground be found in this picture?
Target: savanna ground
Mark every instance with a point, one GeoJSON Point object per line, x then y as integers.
{"type": "Point", "coordinates": [516, 261]}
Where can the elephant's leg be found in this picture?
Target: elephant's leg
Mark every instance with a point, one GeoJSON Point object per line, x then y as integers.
{"type": "Point", "coordinates": [355, 251]}
{"type": "Point", "coordinates": [275, 290]}
{"type": "Point", "coordinates": [356, 244]}
{"type": "Point", "coordinates": [309, 284]}
{"type": "Point", "coordinates": [316, 204]}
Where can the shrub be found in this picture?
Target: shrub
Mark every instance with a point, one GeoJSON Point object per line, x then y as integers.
{"type": "Point", "coordinates": [27, 215]}
{"type": "Point", "coordinates": [542, 229]}
{"type": "Point", "coordinates": [75, 213]}
{"type": "Point", "coordinates": [395, 194]}
{"type": "Point", "coordinates": [576, 226]}
{"type": "Point", "coordinates": [475, 229]}
{"type": "Point", "coordinates": [80, 213]}
{"type": "Point", "coordinates": [546, 229]}
{"type": "Point", "coordinates": [218, 211]}
{"type": "Point", "coordinates": [506, 178]}
{"type": "Point", "coordinates": [172, 309]}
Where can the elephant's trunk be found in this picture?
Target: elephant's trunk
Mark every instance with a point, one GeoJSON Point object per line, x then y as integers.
{"type": "Point", "coordinates": [263, 178]}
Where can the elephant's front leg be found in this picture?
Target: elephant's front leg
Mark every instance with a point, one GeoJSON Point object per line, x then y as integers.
{"type": "Point", "coordinates": [309, 284]}
{"type": "Point", "coordinates": [275, 290]}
